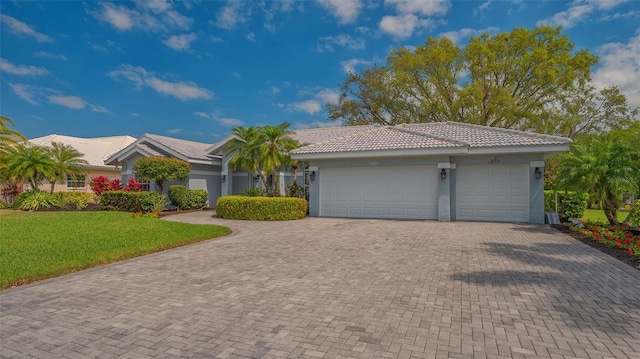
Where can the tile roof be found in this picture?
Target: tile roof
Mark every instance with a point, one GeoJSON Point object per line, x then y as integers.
{"type": "Point", "coordinates": [189, 149]}
{"type": "Point", "coordinates": [95, 150]}
{"type": "Point", "coordinates": [380, 138]}
{"type": "Point", "coordinates": [315, 135]}
{"type": "Point", "coordinates": [419, 136]}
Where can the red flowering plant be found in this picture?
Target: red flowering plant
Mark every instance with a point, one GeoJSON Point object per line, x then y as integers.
{"type": "Point", "coordinates": [101, 184]}
{"type": "Point", "coordinates": [619, 237]}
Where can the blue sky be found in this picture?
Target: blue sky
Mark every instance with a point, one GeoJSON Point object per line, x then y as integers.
{"type": "Point", "coordinates": [196, 69]}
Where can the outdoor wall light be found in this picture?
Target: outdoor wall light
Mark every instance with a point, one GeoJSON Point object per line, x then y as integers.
{"type": "Point", "coordinates": [443, 174]}
{"type": "Point", "coordinates": [537, 172]}
{"type": "Point", "coordinates": [223, 178]}
{"type": "Point", "coordinates": [256, 178]}
{"type": "Point", "coordinates": [312, 175]}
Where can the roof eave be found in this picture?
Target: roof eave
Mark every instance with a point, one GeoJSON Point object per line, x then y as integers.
{"type": "Point", "coordinates": [546, 149]}
{"type": "Point", "coordinates": [219, 146]}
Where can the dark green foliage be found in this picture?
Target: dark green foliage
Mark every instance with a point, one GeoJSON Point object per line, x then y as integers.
{"type": "Point", "coordinates": [570, 204]}
{"type": "Point", "coordinates": [176, 195]}
{"type": "Point", "coordinates": [195, 199]}
{"type": "Point", "coordinates": [161, 169]}
{"type": "Point", "coordinates": [254, 192]}
{"type": "Point", "coordinates": [261, 208]}
{"type": "Point", "coordinates": [634, 216]}
{"type": "Point", "coordinates": [131, 201]}
{"type": "Point", "coordinates": [34, 200]}
{"type": "Point", "coordinates": [295, 190]}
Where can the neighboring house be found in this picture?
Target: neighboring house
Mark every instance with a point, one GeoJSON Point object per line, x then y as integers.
{"type": "Point", "coordinates": [95, 151]}
{"type": "Point", "coordinates": [205, 168]}
{"type": "Point", "coordinates": [439, 171]}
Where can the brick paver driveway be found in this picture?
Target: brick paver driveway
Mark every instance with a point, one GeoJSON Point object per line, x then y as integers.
{"type": "Point", "coordinates": [337, 288]}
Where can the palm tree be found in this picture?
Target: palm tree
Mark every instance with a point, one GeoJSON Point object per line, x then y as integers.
{"type": "Point", "coordinates": [244, 147]}
{"type": "Point", "coordinates": [273, 151]}
{"type": "Point", "coordinates": [604, 165]}
{"type": "Point", "coordinates": [8, 136]}
{"type": "Point", "coordinates": [68, 161]}
{"type": "Point", "coordinates": [29, 163]}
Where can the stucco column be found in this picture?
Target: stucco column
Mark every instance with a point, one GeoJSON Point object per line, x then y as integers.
{"type": "Point", "coordinates": [314, 191]}
{"type": "Point", "coordinates": [536, 192]}
{"type": "Point", "coordinates": [227, 174]}
{"type": "Point", "coordinates": [444, 191]}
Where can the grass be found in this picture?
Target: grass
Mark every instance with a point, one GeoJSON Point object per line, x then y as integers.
{"type": "Point", "coordinates": [39, 245]}
{"type": "Point", "coordinates": [597, 215]}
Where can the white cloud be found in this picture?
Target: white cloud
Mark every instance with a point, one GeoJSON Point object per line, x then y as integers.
{"type": "Point", "coordinates": [620, 66]}
{"type": "Point", "coordinates": [20, 28]}
{"type": "Point", "coordinates": [134, 114]}
{"type": "Point", "coordinates": [180, 42]}
{"type": "Point", "coordinates": [216, 39]}
{"type": "Point", "coordinates": [328, 95]}
{"type": "Point", "coordinates": [403, 26]}
{"type": "Point", "coordinates": [427, 8]}
{"type": "Point", "coordinates": [50, 55]}
{"type": "Point", "coordinates": [224, 121]}
{"type": "Point", "coordinates": [308, 106]}
{"type": "Point", "coordinates": [155, 16]}
{"type": "Point", "coordinates": [250, 36]}
{"type": "Point", "coordinates": [346, 11]}
{"type": "Point", "coordinates": [327, 43]}
{"type": "Point", "coordinates": [140, 77]}
{"type": "Point", "coordinates": [350, 65]}
{"type": "Point", "coordinates": [579, 11]}
{"type": "Point", "coordinates": [459, 35]}
{"type": "Point", "coordinates": [25, 92]}
{"type": "Point", "coordinates": [231, 15]}
{"type": "Point", "coordinates": [73, 102]}
{"type": "Point", "coordinates": [98, 109]}
{"type": "Point", "coordinates": [174, 131]}
{"type": "Point", "coordinates": [22, 70]}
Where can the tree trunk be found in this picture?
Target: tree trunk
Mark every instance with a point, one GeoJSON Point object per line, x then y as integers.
{"type": "Point", "coordinates": [53, 184]}
{"type": "Point", "coordinates": [610, 207]}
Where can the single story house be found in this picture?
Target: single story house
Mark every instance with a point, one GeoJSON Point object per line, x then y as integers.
{"type": "Point", "coordinates": [95, 151]}
{"type": "Point", "coordinates": [434, 171]}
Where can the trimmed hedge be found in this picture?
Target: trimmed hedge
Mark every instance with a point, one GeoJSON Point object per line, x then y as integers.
{"type": "Point", "coordinates": [570, 204]}
{"type": "Point", "coordinates": [184, 198]}
{"type": "Point", "coordinates": [261, 208]}
{"type": "Point", "coordinates": [132, 201]}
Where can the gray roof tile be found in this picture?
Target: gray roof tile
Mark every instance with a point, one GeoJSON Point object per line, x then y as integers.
{"type": "Point", "coordinates": [189, 149]}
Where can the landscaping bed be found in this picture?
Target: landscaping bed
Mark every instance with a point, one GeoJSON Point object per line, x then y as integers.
{"type": "Point", "coordinates": [620, 254]}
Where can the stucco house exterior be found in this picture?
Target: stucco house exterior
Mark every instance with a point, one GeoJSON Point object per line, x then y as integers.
{"type": "Point", "coordinates": [442, 171]}
{"type": "Point", "coordinates": [95, 151]}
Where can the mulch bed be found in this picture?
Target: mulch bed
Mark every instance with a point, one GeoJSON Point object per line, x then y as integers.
{"type": "Point", "coordinates": [621, 255]}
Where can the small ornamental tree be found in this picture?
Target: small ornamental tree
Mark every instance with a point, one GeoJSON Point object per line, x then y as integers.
{"type": "Point", "coordinates": [161, 169]}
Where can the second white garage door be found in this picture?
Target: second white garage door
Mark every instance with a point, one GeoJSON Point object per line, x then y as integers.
{"type": "Point", "coordinates": [379, 192]}
{"type": "Point", "coordinates": [493, 193]}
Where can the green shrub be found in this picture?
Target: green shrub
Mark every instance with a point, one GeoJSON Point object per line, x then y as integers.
{"type": "Point", "coordinates": [254, 192]}
{"type": "Point", "coordinates": [634, 216]}
{"type": "Point", "coordinates": [4, 205]}
{"type": "Point", "coordinates": [295, 190]}
{"type": "Point", "coordinates": [570, 204]}
{"type": "Point", "coordinates": [132, 201]}
{"type": "Point", "coordinates": [75, 200]}
{"type": "Point", "coordinates": [195, 199]}
{"type": "Point", "coordinates": [261, 208]}
{"type": "Point", "coordinates": [176, 195]}
{"type": "Point", "coordinates": [34, 200]}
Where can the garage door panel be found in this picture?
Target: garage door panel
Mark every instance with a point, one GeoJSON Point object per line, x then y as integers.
{"type": "Point", "coordinates": [493, 193]}
{"type": "Point", "coordinates": [380, 192]}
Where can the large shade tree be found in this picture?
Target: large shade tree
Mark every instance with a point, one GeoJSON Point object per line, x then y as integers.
{"type": "Point", "coordinates": [68, 161]}
{"type": "Point", "coordinates": [606, 165]}
{"type": "Point", "coordinates": [512, 80]}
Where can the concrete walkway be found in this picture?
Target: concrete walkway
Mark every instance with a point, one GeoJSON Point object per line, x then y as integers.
{"type": "Point", "coordinates": [338, 288]}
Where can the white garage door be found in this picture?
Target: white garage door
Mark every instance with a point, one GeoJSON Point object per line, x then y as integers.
{"type": "Point", "coordinates": [493, 193]}
{"type": "Point", "coordinates": [379, 192]}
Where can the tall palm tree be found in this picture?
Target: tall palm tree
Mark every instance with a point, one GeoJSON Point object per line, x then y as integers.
{"type": "Point", "coordinates": [606, 166]}
{"type": "Point", "coordinates": [68, 161]}
{"type": "Point", "coordinates": [29, 163]}
{"type": "Point", "coordinates": [244, 147]}
{"type": "Point", "coordinates": [8, 136]}
{"type": "Point", "coordinates": [273, 151]}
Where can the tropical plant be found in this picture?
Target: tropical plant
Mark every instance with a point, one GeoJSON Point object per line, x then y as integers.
{"type": "Point", "coordinates": [273, 152]}
{"type": "Point", "coordinates": [132, 186]}
{"type": "Point", "coordinates": [30, 163]}
{"type": "Point", "coordinates": [161, 169]}
{"type": "Point", "coordinates": [68, 161]}
{"type": "Point", "coordinates": [243, 148]}
{"type": "Point", "coordinates": [100, 184]}
{"type": "Point", "coordinates": [8, 136]}
{"type": "Point", "coordinates": [607, 166]}
{"type": "Point", "coordinates": [34, 200]}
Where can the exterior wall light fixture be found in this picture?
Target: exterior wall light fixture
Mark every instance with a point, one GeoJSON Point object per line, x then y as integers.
{"type": "Point", "coordinates": [312, 175]}
{"type": "Point", "coordinates": [537, 172]}
{"type": "Point", "coordinates": [223, 178]}
{"type": "Point", "coordinates": [443, 174]}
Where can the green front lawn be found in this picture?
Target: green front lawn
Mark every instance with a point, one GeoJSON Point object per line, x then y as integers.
{"type": "Point", "coordinates": [39, 245]}
{"type": "Point", "coordinates": [597, 215]}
